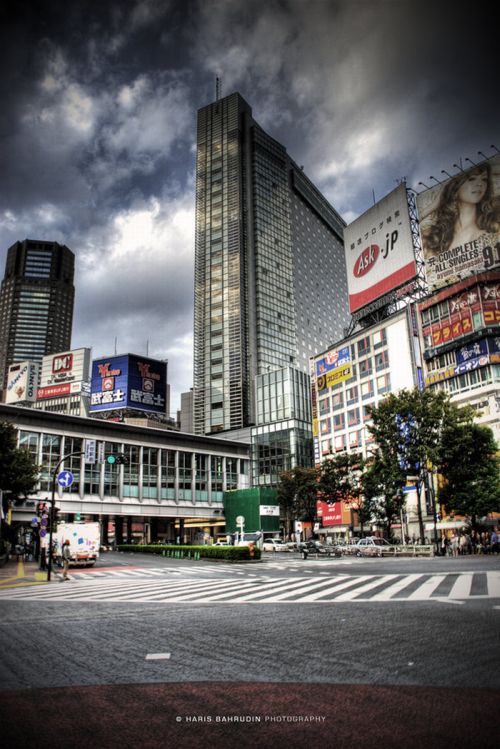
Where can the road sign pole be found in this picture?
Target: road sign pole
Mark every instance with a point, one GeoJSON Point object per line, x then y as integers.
{"type": "Point", "coordinates": [52, 505]}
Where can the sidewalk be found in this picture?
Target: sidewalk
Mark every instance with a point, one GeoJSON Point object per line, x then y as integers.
{"type": "Point", "coordinates": [15, 574]}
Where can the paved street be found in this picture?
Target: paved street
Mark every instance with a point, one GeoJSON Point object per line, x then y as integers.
{"type": "Point", "coordinates": [324, 626]}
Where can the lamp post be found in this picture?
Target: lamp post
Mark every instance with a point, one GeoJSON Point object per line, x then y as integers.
{"type": "Point", "coordinates": [52, 505]}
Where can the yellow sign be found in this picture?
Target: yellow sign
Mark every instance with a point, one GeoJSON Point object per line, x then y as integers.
{"type": "Point", "coordinates": [333, 377]}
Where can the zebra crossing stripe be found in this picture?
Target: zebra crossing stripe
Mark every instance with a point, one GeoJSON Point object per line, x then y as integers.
{"type": "Point", "coordinates": [349, 583]}
{"type": "Point", "coordinates": [493, 582]}
{"type": "Point", "coordinates": [388, 593]}
{"type": "Point", "coordinates": [427, 588]}
{"type": "Point", "coordinates": [305, 583]}
{"type": "Point", "coordinates": [350, 594]}
{"type": "Point", "coordinates": [462, 586]}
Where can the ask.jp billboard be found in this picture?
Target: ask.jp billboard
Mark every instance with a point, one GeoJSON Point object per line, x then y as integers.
{"type": "Point", "coordinates": [379, 250]}
{"type": "Point", "coordinates": [460, 224]}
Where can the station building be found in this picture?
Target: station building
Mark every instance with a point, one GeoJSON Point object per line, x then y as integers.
{"type": "Point", "coordinates": [171, 488]}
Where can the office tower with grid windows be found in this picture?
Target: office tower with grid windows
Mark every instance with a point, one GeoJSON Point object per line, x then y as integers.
{"type": "Point", "coordinates": [36, 302]}
{"type": "Point", "coordinates": [270, 277]}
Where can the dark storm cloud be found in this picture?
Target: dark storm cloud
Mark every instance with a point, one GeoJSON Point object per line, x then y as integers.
{"type": "Point", "coordinates": [98, 122]}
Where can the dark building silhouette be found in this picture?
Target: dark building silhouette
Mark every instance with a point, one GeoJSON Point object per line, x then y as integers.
{"type": "Point", "coordinates": [36, 302]}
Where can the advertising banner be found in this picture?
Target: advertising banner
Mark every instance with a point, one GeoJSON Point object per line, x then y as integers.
{"type": "Point", "coordinates": [128, 381]}
{"type": "Point", "coordinates": [379, 250]}
{"type": "Point", "coordinates": [332, 514]}
{"type": "Point", "coordinates": [22, 382]}
{"type": "Point", "coordinates": [460, 224]}
{"type": "Point", "coordinates": [65, 368]}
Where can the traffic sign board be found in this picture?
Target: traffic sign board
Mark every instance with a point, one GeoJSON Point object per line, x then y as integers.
{"type": "Point", "coordinates": [240, 520]}
{"type": "Point", "coordinates": [65, 479]}
{"type": "Point", "coordinates": [90, 451]}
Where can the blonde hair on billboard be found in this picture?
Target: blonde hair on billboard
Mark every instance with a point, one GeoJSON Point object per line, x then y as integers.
{"type": "Point", "coordinates": [439, 236]}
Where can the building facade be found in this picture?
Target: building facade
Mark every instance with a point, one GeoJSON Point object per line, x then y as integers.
{"type": "Point", "coordinates": [282, 437]}
{"type": "Point", "coordinates": [36, 302]}
{"type": "Point", "coordinates": [461, 344]}
{"type": "Point", "coordinates": [172, 487]}
{"type": "Point", "coordinates": [267, 243]}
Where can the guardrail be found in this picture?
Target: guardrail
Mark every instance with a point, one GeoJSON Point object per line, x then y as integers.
{"type": "Point", "coordinates": [397, 550]}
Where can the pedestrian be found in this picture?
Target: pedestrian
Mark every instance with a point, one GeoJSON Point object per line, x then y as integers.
{"type": "Point", "coordinates": [454, 544]}
{"type": "Point", "coordinates": [66, 554]}
{"type": "Point", "coordinates": [494, 542]}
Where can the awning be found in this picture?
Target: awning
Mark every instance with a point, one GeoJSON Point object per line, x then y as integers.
{"type": "Point", "coordinates": [447, 524]}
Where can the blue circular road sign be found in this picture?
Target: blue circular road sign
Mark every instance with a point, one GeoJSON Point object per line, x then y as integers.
{"type": "Point", "coordinates": [65, 478]}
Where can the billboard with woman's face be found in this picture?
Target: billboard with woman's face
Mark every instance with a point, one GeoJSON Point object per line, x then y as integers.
{"type": "Point", "coordinates": [460, 224]}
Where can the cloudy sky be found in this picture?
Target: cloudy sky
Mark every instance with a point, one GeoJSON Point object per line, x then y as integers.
{"type": "Point", "coordinates": [98, 124]}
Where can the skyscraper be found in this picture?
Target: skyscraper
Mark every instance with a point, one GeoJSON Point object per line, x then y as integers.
{"type": "Point", "coordinates": [36, 302]}
{"type": "Point", "coordinates": [270, 278]}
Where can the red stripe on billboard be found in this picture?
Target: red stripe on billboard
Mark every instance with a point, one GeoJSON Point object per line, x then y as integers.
{"type": "Point", "coordinates": [53, 391]}
{"type": "Point", "coordinates": [362, 298]}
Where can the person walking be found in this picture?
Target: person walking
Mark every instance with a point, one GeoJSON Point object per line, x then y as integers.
{"type": "Point", "coordinates": [66, 554]}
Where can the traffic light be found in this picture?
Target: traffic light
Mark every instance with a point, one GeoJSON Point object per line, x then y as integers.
{"type": "Point", "coordinates": [54, 516]}
{"type": "Point", "coordinates": [119, 459]}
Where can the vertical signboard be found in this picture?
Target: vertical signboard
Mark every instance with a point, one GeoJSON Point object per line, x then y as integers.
{"type": "Point", "coordinates": [460, 224]}
{"type": "Point", "coordinates": [379, 250]}
{"type": "Point", "coordinates": [22, 382]}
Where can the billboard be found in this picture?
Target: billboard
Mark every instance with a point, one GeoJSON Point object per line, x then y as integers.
{"type": "Point", "coordinates": [128, 381]}
{"type": "Point", "coordinates": [64, 373]}
{"type": "Point", "coordinates": [460, 224]}
{"type": "Point", "coordinates": [22, 382]}
{"type": "Point", "coordinates": [333, 367]}
{"type": "Point", "coordinates": [333, 513]}
{"type": "Point", "coordinates": [379, 250]}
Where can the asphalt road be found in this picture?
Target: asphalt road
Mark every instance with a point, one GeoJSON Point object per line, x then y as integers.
{"type": "Point", "coordinates": [162, 672]}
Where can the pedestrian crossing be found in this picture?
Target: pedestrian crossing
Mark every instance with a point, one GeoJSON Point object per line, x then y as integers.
{"type": "Point", "coordinates": [336, 588]}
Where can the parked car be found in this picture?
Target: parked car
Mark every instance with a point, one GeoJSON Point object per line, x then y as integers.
{"type": "Point", "coordinates": [312, 547]}
{"type": "Point", "coordinates": [220, 542]}
{"type": "Point", "coordinates": [274, 544]}
{"type": "Point", "coordinates": [372, 546]}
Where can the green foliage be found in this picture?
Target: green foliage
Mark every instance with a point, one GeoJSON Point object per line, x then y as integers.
{"type": "Point", "coordinates": [470, 466]}
{"type": "Point", "coordinates": [382, 486]}
{"type": "Point", "coordinates": [340, 477]}
{"type": "Point", "coordinates": [18, 472]}
{"type": "Point", "coordinates": [229, 553]}
{"type": "Point", "coordinates": [408, 428]}
{"type": "Point", "coordinates": [297, 494]}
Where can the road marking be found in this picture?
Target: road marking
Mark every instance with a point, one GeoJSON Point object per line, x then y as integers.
{"type": "Point", "coordinates": [350, 594]}
{"type": "Point", "coordinates": [427, 588]}
{"type": "Point", "coordinates": [462, 586]}
{"type": "Point", "coordinates": [447, 600]}
{"type": "Point", "coordinates": [158, 656]}
{"type": "Point", "coordinates": [493, 580]}
{"type": "Point", "coordinates": [388, 593]}
{"type": "Point", "coordinates": [334, 588]}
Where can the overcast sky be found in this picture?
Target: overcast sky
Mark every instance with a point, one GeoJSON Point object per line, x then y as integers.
{"type": "Point", "coordinates": [98, 127]}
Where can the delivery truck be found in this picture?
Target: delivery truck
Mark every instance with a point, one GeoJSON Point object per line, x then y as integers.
{"type": "Point", "coordinates": [84, 542]}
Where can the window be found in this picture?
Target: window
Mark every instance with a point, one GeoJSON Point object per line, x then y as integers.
{"type": "Point", "coordinates": [367, 390]}
{"type": "Point", "coordinates": [352, 395]}
{"type": "Point", "coordinates": [381, 360]}
{"type": "Point", "coordinates": [365, 368]}
{"type": "Point", "coordinates": [339, 442]}
{"type": "Point", "coordinates": [338, 421]}
{"type": "Point", "coordinates": [353, 417]}
{"type": "Point", "coordinates": [383, 383]}
{"type": "Point", "coordinates": [337, 400]}
{"type": "Point", "coordinates": [364, 346]}
{"type": "Point", "coordinates": [379, 338]}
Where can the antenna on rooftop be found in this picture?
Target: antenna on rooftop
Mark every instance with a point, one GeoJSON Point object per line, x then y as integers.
{"type": "Point", "coordinates": [218, 88]}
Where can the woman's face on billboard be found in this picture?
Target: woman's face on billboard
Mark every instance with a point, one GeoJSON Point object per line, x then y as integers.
{"type": "Point", "coordinates": [474, 188]}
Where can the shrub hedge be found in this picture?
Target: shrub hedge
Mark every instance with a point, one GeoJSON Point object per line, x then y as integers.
{"type": "Point", "coordinates": [229, 553]}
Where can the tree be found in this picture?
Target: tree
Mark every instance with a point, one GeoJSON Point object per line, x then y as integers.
{"type": "Point", "coordinates": [297, 494]}
{"type": "Point", "coordinates": [18, 471]}
{"type": "Point", "coordinates": [470, 466]}
{"type": "Point", "coordinates": [408, 429]}
{"type": "Point", "coordinates": [339, 479]}
{"type": "Point", "coordinates": [382, 486]}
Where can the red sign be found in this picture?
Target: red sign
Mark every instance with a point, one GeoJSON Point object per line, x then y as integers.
{"type": "Point", "coordinates": [52, 391]}
{"type": "Point", "coordinates": [62, 363]}
{"type": "Point", "coordinates": [330, 514]}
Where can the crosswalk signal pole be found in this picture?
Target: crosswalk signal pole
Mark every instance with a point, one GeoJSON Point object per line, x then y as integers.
{"type": "Point", "coordinates": [52, 505]}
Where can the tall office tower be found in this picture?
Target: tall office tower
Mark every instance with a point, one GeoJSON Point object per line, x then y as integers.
{"type": "Point", "coordinates": [36, 302]}
{"type": "Point", "coordinates": [270, 276]}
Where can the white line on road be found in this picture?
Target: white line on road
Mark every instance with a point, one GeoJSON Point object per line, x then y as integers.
{"type": "Point", "coordinates": [158, 656]}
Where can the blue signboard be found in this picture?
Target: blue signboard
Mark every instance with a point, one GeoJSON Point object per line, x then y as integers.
{"type": "Point", "coordinates": [128, 381]}
{"type": "Point", "coordinates": [65, 478]}
{"type": "Point", "coordinates": [332, 360]}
